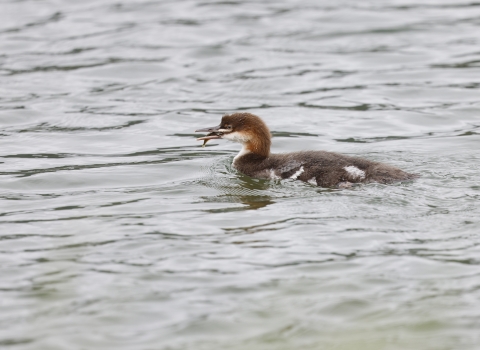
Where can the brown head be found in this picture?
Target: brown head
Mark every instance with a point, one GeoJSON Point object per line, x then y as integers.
{"type": "Point", "coordinates": [245, 128]}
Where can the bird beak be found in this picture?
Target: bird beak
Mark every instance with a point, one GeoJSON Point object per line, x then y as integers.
{"type": "Point", "coordinates": [213, 133]}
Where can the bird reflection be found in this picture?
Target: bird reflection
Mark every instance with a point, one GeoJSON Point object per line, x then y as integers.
{"type": "Point", "coordinates": [255, 202]}
{"type": "Point", "coordinates": [245, 190]}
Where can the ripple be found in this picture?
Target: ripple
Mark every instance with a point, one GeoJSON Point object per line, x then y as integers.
{"type": "Point", "coordinates": [120, 231]}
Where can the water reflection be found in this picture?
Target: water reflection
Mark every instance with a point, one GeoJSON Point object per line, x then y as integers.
{"type": "Point", "coordinates": [239, 188]}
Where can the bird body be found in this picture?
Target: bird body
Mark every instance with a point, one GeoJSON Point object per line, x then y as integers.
{"type": "Point", "coordinates": [321, 168]}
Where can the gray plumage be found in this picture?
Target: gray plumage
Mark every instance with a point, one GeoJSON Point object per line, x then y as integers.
{"type": "Point", "coordinates": [326, 169]}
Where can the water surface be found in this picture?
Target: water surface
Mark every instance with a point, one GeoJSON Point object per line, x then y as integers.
{"type": "Point", "coordinates": [118, 231]}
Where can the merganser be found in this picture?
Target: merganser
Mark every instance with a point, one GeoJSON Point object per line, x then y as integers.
{"type": "Point", "coordinates": [321, 168]}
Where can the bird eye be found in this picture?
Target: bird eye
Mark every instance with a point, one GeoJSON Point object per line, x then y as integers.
{"type": "Point", "coordinates": [228, 126]}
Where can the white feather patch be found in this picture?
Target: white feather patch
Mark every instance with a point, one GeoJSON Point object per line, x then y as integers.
{"type": "Point", "coordinates": [313, 181]}
{"type": "Point", "coordinates": [297, 173]}
{"type": "Point", "coordinates": [242, 152]}
{"type": "Point", "coordinates": [236, 137]}
{"type": "Point", "coordinates": [355, 172]}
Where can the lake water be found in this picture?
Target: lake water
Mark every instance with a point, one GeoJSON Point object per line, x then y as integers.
{"type": "Point", "coordinates": [118, 231]}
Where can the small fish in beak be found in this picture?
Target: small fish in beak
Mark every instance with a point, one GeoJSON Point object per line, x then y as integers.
{"type": "Point", "coordinates": [209, 137]}
{"type": "Point", "coordinates": [213, 134]}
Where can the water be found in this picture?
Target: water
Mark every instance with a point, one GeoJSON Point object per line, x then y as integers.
{"type": "Point", "coordinates": [118, 231]}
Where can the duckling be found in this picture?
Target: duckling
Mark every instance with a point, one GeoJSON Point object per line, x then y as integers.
{"type": "Point", "coordinates": [321, 168]}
